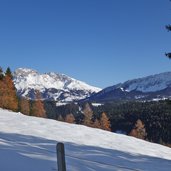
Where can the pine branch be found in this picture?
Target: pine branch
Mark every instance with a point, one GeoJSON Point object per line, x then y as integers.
{"type": "Point", "coordinates": [168, 27]}
{"type": "Point", "coordinates": [168, 55]}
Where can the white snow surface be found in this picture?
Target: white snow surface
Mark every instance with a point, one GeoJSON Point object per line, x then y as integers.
{"type": "Point", "coordinates": [97, 104]}
{"type": "Point", "coordinates": [151, 83]}
{"type": "Point", "coordinates": [26, 79]}
{"type": "Point", "coordinates": [29, 144]}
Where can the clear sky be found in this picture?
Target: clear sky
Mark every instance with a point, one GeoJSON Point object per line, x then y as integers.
{"type": "Point", "coordinates": [101, 42]}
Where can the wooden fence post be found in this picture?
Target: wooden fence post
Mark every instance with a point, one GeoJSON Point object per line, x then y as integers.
{"type": "Point", "coordinates": [61, 157]}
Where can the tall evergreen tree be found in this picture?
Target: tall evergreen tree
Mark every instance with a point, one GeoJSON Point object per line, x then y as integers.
{"type": "Point", "coordinates": [8, 73]}
{"type": "Point", "coordinates": [9, 97]}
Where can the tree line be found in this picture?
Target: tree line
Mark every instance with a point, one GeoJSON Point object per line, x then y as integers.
{"type": "Point", "coordinates": [149, 120]}
{"type": "Point", "coordinates": [79, 114]}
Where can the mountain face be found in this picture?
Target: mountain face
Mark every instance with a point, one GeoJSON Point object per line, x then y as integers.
{"type": "Point", "coordinates": [154, 87]}
{"type": "Point", "coordinates": [52, 86]}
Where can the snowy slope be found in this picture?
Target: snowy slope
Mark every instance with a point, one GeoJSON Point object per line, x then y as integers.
{"type": "Point", "coordinates": [52, 86]}
{"type": "Point", "coordinates": [28, 143]}
{"type": "Point", "coordinates": [148, 84]}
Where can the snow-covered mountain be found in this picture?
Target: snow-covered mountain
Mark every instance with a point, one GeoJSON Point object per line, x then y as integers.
{"type": "Point", "coordinates": [154, 87]}
{"type": "Point", "coordinates": [29, 144]}
{"type": "Point", "coordinates": [52, 86]}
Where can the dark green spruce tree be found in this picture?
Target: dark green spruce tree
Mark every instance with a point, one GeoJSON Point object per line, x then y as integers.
{"type": "Point", "coordinates": [1, 74]}
{"type": "Point", "coordinates": [8, 72]}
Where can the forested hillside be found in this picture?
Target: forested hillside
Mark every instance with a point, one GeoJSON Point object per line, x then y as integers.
{"type": "Point", "coordinates": [145, 120]}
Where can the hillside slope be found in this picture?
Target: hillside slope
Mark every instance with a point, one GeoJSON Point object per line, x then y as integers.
{"type": "Point", "coordinates": [28, 143]}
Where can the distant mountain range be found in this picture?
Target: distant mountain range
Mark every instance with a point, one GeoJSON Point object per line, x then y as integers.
{"type": "Point", "coordinates": [52, 86]}
{"type": "Point", "coordinates": [64, 89]}
{"type": "Point", "coordinates": [154, 87]}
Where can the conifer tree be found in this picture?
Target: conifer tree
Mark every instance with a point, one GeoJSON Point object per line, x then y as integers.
{"type": "Point", "coordinates": [60, 118]}
{"type": "Point", "coordinates": [1, 87]}
{"type": "Point", "coordinates": [38, 106]}
{"type": "Point", "coordinates": [139, 130]}
{"type": "Point", "coordinates": [88, 114]}
{"type": "Point", "coordinates": [104, 122]}
{"type": "Point", "coordinates": [96, 123]}
{"type": "Point", "coordinates": [69, 118]}
{"type": "Point", "coordinates": [8, 73]}
{"type": "Point", "coordinates": [2, 93]}
{"type": "Point", "coordinates": [24, 106]}
{"type": "Point", "coordinates": [9, 96]}
{"type": "Point", "coordinates": [1, 74]}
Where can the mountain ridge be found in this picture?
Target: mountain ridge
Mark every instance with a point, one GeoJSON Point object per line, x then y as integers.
{"type": "Point", "coordinates": [157, 86]}
{"type": "Point", "coordinates": [52, 86]}
{"type": "Point", "coordinates": [65, 89]}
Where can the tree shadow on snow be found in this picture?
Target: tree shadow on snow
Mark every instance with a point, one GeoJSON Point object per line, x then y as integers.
{"type": "Point", "coordinates": [28, 153]}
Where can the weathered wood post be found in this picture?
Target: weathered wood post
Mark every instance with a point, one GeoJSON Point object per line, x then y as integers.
{"type": "Point", "coordinates": [61, 157]}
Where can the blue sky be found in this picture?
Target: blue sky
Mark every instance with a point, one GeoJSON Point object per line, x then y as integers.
{"type": "Point", "coordinates": [101, 42]}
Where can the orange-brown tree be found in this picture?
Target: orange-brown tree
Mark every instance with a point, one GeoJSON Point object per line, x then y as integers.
{"type": "Point", "coordinates": [88, 114]}
{"type": "Point", "coordinates": [96, 123]}
{"type": "Point", "coordinates": [2, 93]}
{"type": "Point", "coordinates": [104, 122]}
{"type": "Point", "coordinates": [38, 106]}
{"type": "Point", "coordinates": [139, 130]}
{"type": "Point", "coordinates": [24, 106]}
{"type": "Point", "coordinates": [8, 94]}
{"type": "Point", "coordinates": [70, 118]}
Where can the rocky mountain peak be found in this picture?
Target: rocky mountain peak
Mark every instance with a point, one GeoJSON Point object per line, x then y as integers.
{"type": "Point", "coordinates": [52, 86]}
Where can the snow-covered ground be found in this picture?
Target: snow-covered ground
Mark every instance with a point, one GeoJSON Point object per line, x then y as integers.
{"type": "Point", "coordinates": [29, 144]}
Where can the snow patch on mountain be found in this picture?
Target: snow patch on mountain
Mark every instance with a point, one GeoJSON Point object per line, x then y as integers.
{"type": "Point", "coordinates": [96, 104]}
{"type": "Point", "coordinates": [51, 85]}
{"type": "Point", "coordinates": [151, 83]}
